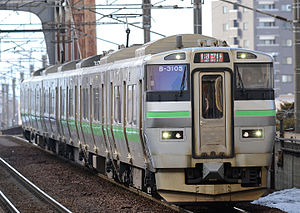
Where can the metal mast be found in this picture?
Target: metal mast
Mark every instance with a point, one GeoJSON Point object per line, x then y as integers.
{"type": "Point", "coordinates": [296, 30]}
{"type": "Point", "coordinates": [198, 16]}
{"type": "Point", "coordinates": [146, 19]}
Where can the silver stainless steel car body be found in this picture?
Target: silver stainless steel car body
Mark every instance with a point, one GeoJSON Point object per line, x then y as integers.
{"type": "Point", "coordinates": [191, 123]}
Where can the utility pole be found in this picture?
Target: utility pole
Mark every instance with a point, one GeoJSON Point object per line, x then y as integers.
{"type": "Point", "coordinates": [198, 16]}
{"type": "Point", "coordinates": [14, 102]}
{"type": "Point", "coordinates": [146, 19]}
{"type": "Point", "coordinates": [296, 31]}
{"type": "Point", "coordinates": [3, 108]}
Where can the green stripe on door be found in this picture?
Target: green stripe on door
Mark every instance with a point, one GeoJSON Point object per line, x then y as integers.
{"type": "Point", "coordinates": [252, 113]}
{"type": "Point", "coordinates": [168, 114]}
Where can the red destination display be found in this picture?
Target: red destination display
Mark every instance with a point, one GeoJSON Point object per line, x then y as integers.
{"type": "Point", "coordinates": [211, 57]}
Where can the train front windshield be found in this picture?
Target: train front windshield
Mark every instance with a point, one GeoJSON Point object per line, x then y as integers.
{"type": "Point", "coordinates": [169, 77]}
{"type": "Point", "coordinates": [254, 76]}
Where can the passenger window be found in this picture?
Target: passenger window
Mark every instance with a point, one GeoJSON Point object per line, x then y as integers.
{"type": "Point", "coordinates": [129, 104]}
{"type": "Point", "coordinates": [117, 104]}
{"type": "Point", "coordinates": [134, 108]}
{"type": "Point", "coordinates": [96, 104]}
{"type": "Point", "coordinates": [71, 112]}
{"type": "Point", "coordinates": [212, 96]}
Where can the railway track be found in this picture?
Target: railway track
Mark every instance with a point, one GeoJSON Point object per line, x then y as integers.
{"type": "Point", "coordinates": [6, 205]}
{"type": "Point", "coordinates": [16, 185]}
{"type": "Point", "coordinates": [201, 208]}
{"type": "Point", "coordinates": [131, 189]}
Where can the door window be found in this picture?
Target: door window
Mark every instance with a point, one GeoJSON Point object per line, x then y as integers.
{"type": "Point", "coordinates": [212, 96]}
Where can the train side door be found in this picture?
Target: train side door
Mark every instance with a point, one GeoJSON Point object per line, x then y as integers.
{"type": "Point", "coordinates": [212, 115]}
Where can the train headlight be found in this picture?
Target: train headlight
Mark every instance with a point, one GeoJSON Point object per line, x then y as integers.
{"type": "Point", "coordinates": [245, 55]}
{"type": "Point", "coordinates": [176, 56]}
{"type": "Point", "coordinates": [172, 135]}
{"type": "Point", "coordinates": [252, 133]}
{"type": "Point", "coordinates": [166, 135]}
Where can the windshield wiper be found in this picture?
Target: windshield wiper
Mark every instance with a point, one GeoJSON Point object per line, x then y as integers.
{"type": "Point", "coordinates": [241, 83]}
{"type": "Point", "coordinates": [182, 85]}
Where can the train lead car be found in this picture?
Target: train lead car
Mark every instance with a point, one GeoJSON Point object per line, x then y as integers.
{"type": "Point", "coordinates": [185, 117]}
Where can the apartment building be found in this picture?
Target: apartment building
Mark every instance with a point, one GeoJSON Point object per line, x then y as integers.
{"type": "Point", "coordinates": [244, 28]}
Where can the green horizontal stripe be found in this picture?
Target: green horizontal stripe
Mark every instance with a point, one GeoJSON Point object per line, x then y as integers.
{"type": "Point", "coordinates": [168, 114]}
{"type": "Point", "coordinates": [251, 113]}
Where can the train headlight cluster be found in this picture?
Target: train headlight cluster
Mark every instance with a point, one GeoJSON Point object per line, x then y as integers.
{"type": "Point", "coordinates": [246, 55]}
{"type": "Point", "coordinates": [252, 133]}
{"type": "Point", "coordinates": [172, 135]}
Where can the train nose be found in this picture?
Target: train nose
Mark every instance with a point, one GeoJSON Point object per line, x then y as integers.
{"type": "Point", "coordinates": [213, 172]}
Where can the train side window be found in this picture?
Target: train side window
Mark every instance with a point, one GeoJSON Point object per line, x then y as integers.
{"type": "Point", "coordinates": [63, 98]}
{"type": "Point", "coordinates": [117, 104]}
{"type": "Point", "coordinates": [85, 103]}
{"type": "Point", "coordinates": [37, 101]}
{"type": "Point", "coordinates": [129, 104]}
{"type": "Point", "coordinates": [71, 112]}
{"type": "Point", "coordinates": [46, 101]}
{"type": "Point", "coordinates": [212, 96]}
{"type": "Point", "coordinates": [134, 104]}
{"type": "Point", "coordinates": [96, 99]}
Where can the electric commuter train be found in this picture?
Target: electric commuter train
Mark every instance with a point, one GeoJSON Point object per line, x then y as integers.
{"type": "Point", "coordinates": [185, 117]}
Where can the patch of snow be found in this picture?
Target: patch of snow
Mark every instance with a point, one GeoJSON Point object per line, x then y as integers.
{"type": "Point", "coordinates": [287, 200]}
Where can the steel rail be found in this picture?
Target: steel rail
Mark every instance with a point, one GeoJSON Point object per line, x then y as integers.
{"type": "Point", "coordinates": [8, 205]}
{"type": "Point", "coordinates": [104, 177]}
{"type": "Point", "coordinates": [239, 209]}
{"type": "Point", "coordinates": [59, 207]}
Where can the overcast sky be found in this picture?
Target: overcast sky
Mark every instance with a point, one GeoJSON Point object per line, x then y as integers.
{"type": "Point", "coordinates": [19, 50]}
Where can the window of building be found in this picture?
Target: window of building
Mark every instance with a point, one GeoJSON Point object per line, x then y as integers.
{"type": "Point", "coordinates": [245, 26]}
{"type": "Point", "coordinates": [246, 43]}
{"type": "Point", "coordinates": [235, 23]}
{"type": "Point", "coordinates": [245, 10]}
{"type": "Point", "coordinates": [288, 42]}
{"type": "Point", "coordinates": [286, 7]}
{"type": "Point", "coordinates": [267, 41]}
{"type": "Point", "coordinates": [286, 78]}
{"type": "Point", "coordinates": [267, 6]}
{"type": "Point", "coordinates": [266, 24]}
{"type": "Point", "coordinates": [287, 60]}
{"type": "Point", "coordinates": [235, 7]}
{"type": "Point", "coordinates": [225, 27]}
{"type": "Point", "coordinates": [235, 41]}
{"type": "Point", "coordinates": [225, 9]}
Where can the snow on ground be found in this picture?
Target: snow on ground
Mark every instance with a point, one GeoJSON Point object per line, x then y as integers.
{"type": "Point", "coordinates": [287, 200]}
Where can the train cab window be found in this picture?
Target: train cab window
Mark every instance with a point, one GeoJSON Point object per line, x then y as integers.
{"type": "Point", "coordinates": [212, 96]}
{"type": "Point", "coordinates": [254, 81]}
{"type": "Point", "coordinates": [167, 82]}
{"type": "Point", "coordinates": [252, 76]}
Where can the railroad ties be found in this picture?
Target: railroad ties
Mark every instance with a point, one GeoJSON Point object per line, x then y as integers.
{"type": "Point", "coordinates": [24, 193]}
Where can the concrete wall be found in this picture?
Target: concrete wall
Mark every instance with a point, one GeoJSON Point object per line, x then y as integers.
{"type": "Point", "coordinates": [287, 164]}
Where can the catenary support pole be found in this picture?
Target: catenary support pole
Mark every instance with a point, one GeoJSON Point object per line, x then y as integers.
{"type": "Point", "coordinates": [296, 31]}
{"type": "Point", "coordinates": [198, 16]}
{"type": "Point", "coordinates": [14, 103]}
{"type": "Point", "coordinates": [146, 19]}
